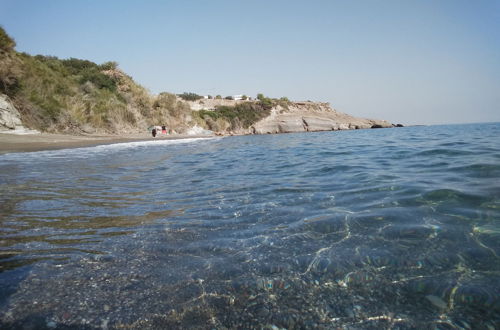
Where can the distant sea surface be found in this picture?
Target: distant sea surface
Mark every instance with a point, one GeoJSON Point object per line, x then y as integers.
{"type": "Point", "coordinates": [382, 228]}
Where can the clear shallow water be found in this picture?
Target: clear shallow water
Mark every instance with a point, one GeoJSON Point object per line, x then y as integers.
{"type": "Point", "coordinates": [357, 229]}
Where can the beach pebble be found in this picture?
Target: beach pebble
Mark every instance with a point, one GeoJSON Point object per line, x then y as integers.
{"type": "Point", "coordinates": [436, 301]}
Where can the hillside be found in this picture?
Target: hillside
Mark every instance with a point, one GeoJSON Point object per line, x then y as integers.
{"type": "Point", "coordinates": [78, 96]}
{"type": "Point", "coordinates": [75, 96]}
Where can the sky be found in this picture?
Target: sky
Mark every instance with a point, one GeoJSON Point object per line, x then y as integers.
{"type": "Point", "coordinates": [406, 61]}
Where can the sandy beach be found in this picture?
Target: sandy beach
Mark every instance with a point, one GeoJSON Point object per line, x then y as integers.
{"type": "Point", "coordinates": [36, 142]}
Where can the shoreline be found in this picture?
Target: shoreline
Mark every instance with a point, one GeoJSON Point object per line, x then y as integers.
{"type": "Point", "coordinates": [13, 143]}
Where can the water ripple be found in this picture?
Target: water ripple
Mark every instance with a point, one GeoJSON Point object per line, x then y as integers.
{"type": "Point", "coordinates": [353, 229]}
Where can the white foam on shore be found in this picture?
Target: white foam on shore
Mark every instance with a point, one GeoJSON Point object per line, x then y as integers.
{"type": "Point", "coordinates": [83, 152]}
{"type": "Point", "coordinates": [136, 144]}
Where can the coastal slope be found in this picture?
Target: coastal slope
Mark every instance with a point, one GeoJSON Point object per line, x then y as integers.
{"type": "Point", "coordinates": [78, 97]}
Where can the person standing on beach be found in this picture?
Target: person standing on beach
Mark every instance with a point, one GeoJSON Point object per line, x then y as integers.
{"type": "Point", "coordinates": [154, 132]}
{"type": "Point", "coordinates": [164, 130]}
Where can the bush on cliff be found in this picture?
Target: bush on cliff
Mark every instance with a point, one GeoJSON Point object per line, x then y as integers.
{"type": "Point", "coordinates": [190, 96]}
{"type": "Point", "coordinates": [90, 71]}
{"type": "Point", "coordinates": [240, 116]}
{"type": "Point", "coordinates": [265, 102]}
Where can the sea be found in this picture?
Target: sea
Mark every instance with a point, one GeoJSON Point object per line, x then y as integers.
{"type": "Point", "coordinates": [393, 228]}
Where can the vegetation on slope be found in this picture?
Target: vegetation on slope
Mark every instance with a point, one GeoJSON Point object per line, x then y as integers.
{"type": "Point", "coordinates": [233, 118]}
{"type": "Point", "coordinates": [190, 96]}
{"type": "Point", "coordinates": [75, 96]}
{"type": "Point", "coordinates": [79, 96]}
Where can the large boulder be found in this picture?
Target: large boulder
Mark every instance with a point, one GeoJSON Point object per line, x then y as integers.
{"type": "Point", "coordinates": [10, 119]}
{"type": "Point", "coordinates": [380, 124]}
{"type": "Point", "coordinates": [363, 125]}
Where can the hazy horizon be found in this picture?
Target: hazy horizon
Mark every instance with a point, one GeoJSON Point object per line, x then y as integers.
{"type": "Point", "coordinates": [412, 62]}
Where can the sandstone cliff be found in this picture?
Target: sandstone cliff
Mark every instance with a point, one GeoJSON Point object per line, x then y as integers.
{"type": "Point", "coordinates": [311, 117]}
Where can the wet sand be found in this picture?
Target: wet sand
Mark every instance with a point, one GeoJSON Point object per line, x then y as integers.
{"type": "Point", "coordinates": [37, 142]}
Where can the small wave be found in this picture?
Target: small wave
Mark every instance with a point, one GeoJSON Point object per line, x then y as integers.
{"type": "Point", "coordinates": [444, 152]}
{"type": "Point", "coordinates": [104, 148]}
{"type": "Point", "coordinates": [447, 195]}
{"type": "Point", "coordinates": [479, 170]}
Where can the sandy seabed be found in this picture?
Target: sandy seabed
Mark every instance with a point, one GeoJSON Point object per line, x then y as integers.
{"type": "Point", "coordinates": [36, 142]}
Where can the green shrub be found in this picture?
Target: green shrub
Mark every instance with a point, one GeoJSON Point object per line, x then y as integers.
{"type": "Point", "coordinates": [99, 79]}
{"type": "Point", "coordinates": [190, 96]}
{"type": "Point", "coordinates": [76, 66]}
{"type": "Point", "coordinates": [207, 113]}
{"type": "Point", "coordinates": [228, 98]}
{"type": "Point", "coordinates": [265, 102]}
{"type": "Point", "coordinates": [54, 64]}
{"type": "Point", "coordinates": [49, 105]}
{"type": "Point", "coordinates": [284, 102]}
{"type": "Point", "coordinates": [111, 65]}
{"type": "Point", "coordinates": [86, 70]}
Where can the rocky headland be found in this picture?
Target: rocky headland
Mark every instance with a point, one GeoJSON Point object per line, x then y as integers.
{"type": "Point", "coordinates": [289, 117]}
{"type": "Point", "coordinates": [312, 117]}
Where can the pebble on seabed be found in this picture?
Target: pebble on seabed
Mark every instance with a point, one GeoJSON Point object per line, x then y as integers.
{"type": "Point", "coordinates": [436, 301]}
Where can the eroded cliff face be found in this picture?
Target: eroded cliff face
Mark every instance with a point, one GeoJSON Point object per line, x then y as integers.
{"type": "Point", "coordinates": [10, 119]}
{"type": "Point", "coordinates": [311, 117]}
